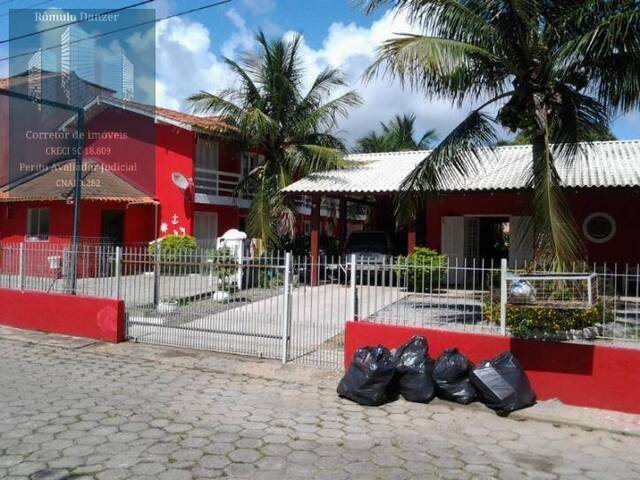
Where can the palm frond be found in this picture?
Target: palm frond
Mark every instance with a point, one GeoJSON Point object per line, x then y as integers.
{"type": "Point", "coordinates": [557, 238]}
{"type": "Point", "coordinates": [464, 21]}
{"type": "Point", "coordinates": [579, 120]}
{"type": "Point", "coordinates": [454, 158]}
{"type": "Point", "coordinates": [205, 102]}
{"type": "Point", "coordinates": [248, 87]}
{"type": "Point", "coordinates": [324, 116]}
{"type": "Point", "coordinates": [439, 66]}
{"type": "Point", "coordinates": [258, 124]}
{"type": "Point", "coordinates": [311, 158]}
{"type": "Point", "coordinates": [427, 139]}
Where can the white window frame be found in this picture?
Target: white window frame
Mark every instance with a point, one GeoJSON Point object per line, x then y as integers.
{"type": "Point", "coordinates": [38, 236]}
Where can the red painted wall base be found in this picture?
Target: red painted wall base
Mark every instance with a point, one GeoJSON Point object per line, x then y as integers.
{"type": "Point", "coordinates": [99, 318]}
{"type": "Point", "coordinates": [583, 375]}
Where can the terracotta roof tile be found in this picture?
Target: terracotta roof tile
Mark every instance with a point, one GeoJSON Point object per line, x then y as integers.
{"type": "Point", "coordinates": [56, 183]}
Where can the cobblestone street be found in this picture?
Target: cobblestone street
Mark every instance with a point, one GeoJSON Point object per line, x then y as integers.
{"type": "Point", "coordinates": [80, 413]}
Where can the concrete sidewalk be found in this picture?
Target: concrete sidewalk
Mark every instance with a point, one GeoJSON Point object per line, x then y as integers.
{"type": "Point", "coordinates": [551, 411]}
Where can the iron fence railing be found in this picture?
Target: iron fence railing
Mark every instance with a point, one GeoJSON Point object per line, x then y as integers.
{"type": "Point", "coordinates": [287, 307]}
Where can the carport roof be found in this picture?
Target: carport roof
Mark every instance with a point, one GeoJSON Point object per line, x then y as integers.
{"type": "Point", "coordinates": [600, 164]}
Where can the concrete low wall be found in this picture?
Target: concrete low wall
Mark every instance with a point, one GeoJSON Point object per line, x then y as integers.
{"type": "Point", "coordinates": [583, 375]}
{"type": "Point", "coordinates": [91, 317]}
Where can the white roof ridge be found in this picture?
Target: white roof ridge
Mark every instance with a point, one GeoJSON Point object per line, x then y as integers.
{"type": "Point", "coordinates": [498, 147]}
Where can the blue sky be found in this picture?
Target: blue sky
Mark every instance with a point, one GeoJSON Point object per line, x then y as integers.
{"type": "Point", "coordinates": [336, 33]}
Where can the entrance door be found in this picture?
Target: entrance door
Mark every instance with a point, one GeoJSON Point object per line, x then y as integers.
{"type": "Point", "coordinates": [112, 227]}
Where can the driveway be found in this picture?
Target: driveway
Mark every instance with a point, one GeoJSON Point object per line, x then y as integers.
{"type": "Point", "coordinates": [318, 315]}
{"type": "Point", "coordinates": [92, 411]}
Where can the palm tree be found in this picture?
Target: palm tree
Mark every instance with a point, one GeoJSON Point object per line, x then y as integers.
{"type": "Point", "coordinates": [397, 135]}
{"type": "Point", "coordinates": [293, 129]}
{"type": "Point", "coordinates": [557, 70]}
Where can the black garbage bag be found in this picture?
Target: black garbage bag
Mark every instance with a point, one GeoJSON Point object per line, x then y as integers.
{"type": "Point", "coordinates": [413, 371]}
{"type": "Point", "coordinates": [369, 377]}
{"type": "Point", "coordinates": [451, 376]}
{"type": "Point", "coordinates": [502, 384]}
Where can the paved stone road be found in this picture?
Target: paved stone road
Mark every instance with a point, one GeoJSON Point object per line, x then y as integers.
{"type": "Point", "coordinates": [78, 414]}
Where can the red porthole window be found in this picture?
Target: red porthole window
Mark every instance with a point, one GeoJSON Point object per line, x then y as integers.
{"type": "Point", "coordinates": [599, 227]}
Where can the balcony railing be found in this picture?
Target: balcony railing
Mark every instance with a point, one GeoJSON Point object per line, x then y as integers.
{"type": "Point", "coordinates": [216, 182]}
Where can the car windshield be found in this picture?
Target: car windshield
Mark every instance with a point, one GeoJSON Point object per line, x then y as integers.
{"type": "Point", "coordinates": [367, 242]}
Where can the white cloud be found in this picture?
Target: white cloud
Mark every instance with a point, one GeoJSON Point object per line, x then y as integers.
{"type": "Point", "coordinates": [186, 64]}
{"type": "Point", "coordinates": [352, 48]}
{"type": "Point", "coordinates": [242, 39]}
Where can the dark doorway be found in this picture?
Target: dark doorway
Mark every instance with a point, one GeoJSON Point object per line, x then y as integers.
{"type": "Point", "coordinates": [112, 227]}
{"type": "Point", "coordinates": [494, 238]}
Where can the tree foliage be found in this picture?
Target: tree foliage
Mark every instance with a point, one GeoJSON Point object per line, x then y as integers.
{"type": "Point", "coordinates": [397, 135]}
{"type": "Point", "coordinates": [273, 114]}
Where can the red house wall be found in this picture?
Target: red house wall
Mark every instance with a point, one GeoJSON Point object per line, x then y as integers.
{"type": "Point", "coordinates": [175, 151]}
{"type": "Point", "coordinates": [228, 216]}
{"type": "Point", "coordinates": [138, 226]}
{"type": "Point", "coordinates": [138, 229]}
{"type": "Point", "coordinates": [621, 204]}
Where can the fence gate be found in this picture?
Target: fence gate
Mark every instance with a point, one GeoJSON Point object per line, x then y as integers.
{"type": "Point", "coordinates": [207, 301]}
{"type": "Point", "coordinates": [277, 306]}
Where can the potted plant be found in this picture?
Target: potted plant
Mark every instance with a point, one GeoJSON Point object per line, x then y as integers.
{"type": "Point", "coordinates": [167, 306]}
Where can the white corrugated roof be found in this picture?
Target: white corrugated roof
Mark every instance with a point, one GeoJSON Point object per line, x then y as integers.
{"type": "Point", "coordinates": [600, 164]}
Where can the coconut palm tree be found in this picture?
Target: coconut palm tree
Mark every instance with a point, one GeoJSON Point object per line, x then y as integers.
{"type": "Point", "coordinates": [397, 135]}
{"type": "Point", "coordinates": [291, 127]}
{"type": "Point", "coordinates": [555, 70]}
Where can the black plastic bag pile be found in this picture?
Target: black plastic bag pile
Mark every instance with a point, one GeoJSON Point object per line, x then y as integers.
{"type": "Point", "coordinates": [377, 376]}
{"type": "Point", "coordinates": [413, 375]}
{"type": "Point", "coordinates": [451, 376]}
{"type": "Point", "coordinates": [369, 376]}
{"type": "Point", "coordinates": [502, 384]}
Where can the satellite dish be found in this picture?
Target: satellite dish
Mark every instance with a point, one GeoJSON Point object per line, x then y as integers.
{"type": "Point", "coordinates": [179, 180]}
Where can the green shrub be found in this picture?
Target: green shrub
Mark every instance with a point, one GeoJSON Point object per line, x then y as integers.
{"type": "Point", "coordinates": [177, 254]}
{"type": "Point", "coordinates": [544, 322]}
{"type": "Point", "coordinates": [421, 270]}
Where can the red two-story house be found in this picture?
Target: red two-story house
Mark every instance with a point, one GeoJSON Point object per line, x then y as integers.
{"type": "Point", "coordinates": [147, 172]}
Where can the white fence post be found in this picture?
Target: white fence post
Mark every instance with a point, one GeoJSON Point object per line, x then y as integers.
{"type": "Point", "coordinates": [286, 309]}
{"type": "Point", "coordinates": [21, 266]}
{"type": "Point", "coordinates": [503, 296]}
{"type": "Point", "coordinates": [156, 274]}
{"type": "Point", "coordinates": [354, 289]}
{"type": "Point", "coordinates": [118, 266]}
